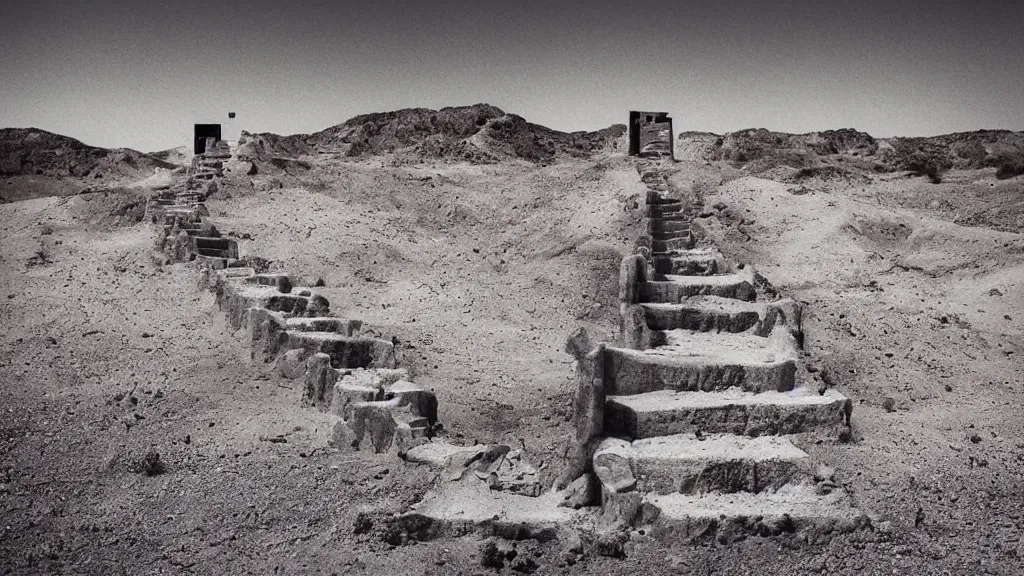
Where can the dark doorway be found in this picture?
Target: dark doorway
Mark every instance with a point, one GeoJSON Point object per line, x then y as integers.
{"type": "Point", "coordinates": [204, 131]}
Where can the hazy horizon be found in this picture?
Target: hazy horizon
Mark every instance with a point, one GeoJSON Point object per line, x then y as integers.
{"type": "Point", "coordinates": [120, 74]}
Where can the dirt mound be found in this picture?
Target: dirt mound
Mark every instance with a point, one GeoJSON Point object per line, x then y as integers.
{"type": "Point", "coordinates": [479, 134]}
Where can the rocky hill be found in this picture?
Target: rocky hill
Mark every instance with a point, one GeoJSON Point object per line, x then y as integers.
{"type": "Point", "coordinates": [478, 134]}
{"type": "Point", "coordinates": [30, 151]}
{"type": "Point", "coordinates": [833, 151]}
{"type": "Point", "coordinates": [35, 163]}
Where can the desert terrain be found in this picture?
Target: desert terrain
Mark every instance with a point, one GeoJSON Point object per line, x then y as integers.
{"type": "Point", "coordinates": [479, 242]}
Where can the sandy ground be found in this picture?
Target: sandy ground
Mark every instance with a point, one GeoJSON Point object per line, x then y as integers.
{"type": "Point", "coordinates": [480, 273]}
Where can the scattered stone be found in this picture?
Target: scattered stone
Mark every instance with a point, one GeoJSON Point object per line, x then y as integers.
{"type": "Point", "coordinates": [975, 439]}
{"type": "Point", "coordinates": [494, 553]}
{"type": "Point", "coordinates": [524, 565]}
{"type": "Point", "coordinates": [583, 491]}
{"type": "Point", "coordinates": [151, 465]}
{"type": "Point", "coordinates": [995, 292]}
{"type": "Point", "coordinates": [826, 377]}
{"type": "Point", "coordinates": [611, 543]}
{"type": "Point", "coordinates": [292, 364]}
{"type": "Point", "coordinates": [284, 285]}
{"type": "Point", "coordinates": [889, 403]}
{"type": "Point", "coordinates": [572, 547]}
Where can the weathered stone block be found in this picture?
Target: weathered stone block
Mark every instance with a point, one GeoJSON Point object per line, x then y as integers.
{"type": "Point", "coordinates": [632, 272]}
{"type": "Point", "coordinates": [292, 364]}
{"type": "Point", "coordinates": [320, 378]}
{"type": "Point", "coordinates": [381, 427]}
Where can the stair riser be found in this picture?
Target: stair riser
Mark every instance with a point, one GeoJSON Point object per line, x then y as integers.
{"type": "Point", "coordinates": [746, 420]}
{"type": "Point", "coordinates": [626, 375]}
{"type": "Point", "coordinates": [655, 227]}
{"type": "Point", "coordinates": [668, 245]}
{"type": "Point", "coordinates": [354, 353]}
{"type": "Point", "coordinates": [656, 210]}
{"type": "Point", "coordinates": [728, 529]}
{"type": "Point", "coordinates": [666, 477]}
{"type": "Point", "coordinates": [685, 266]}
{"type": "Point", "coordinates": [700, 320]}
{"type": "Point", "coordinates": [673, 293]}
{"type": "Point", "coordinates": [235, 305]}
{"type": "Point", "coordinates": [214, 253]}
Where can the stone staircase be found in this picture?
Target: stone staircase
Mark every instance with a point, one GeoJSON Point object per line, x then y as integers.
{"type": "Point", "coordinates": [688, 427]}
{"type": "Point", "coordinates": [351, 375]}
{"type": "Point", "coordinates": [688, 421]}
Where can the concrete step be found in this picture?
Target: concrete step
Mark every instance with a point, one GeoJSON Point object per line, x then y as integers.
{"type": "Point", "coordinates": [345, 351]}
{"type": "Point", "coordinates": [668, 216]}
{"type": "Point", "coordinates": [692, 361]}
{"type": "Point", "coordinates": [728, 517]}
{"type": "Point", "coordinates": [214, 253]}
{"type": "Point", "coordinates": [236, 298]}
{"type": "Point", "coordinates": [325, 324]}
{"type": "Point", "coordinates": [665, 208]}
{"type": "Point", "coordinates": [656, 196]}
{"type": "Point", "coordinates": [267, 278]}
{"type": "Point", "coordinates": [220, 247]}
{"type": "Point", "coordinates": [688, 464]}
{"type": "Point", "coordinates": [456, 509]}
{"type": "Point", "coordinates": [705, 314]}
{"type": "Point", "coordinates": [191, 231]}
{"type": "Point", "coordinates": [240, 272]}
{"type": "Point", "coordinates": [667, 245]}
{"type": "Point", "coordinates": [217, 263]}
{"type": "Point", "coordinates": [697, 262]}
{"type": "Point", "coordinates": [731, 411]}
{"type": "Point", "coordinates": [670, 288]}
{"type": "Point", "coordinates": [667, 226]}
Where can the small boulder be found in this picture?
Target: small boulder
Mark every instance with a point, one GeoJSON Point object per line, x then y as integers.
{"type": "Point", "coordinates": [292, 364]}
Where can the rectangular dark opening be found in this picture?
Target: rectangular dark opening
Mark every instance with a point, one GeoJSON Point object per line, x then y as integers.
{"type": "Point", "coordinates": [650, 134]}
{"type": "Point", "coordinates": [204, 131]}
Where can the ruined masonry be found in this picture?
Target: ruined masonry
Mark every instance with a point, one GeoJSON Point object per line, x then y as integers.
{"type": "Point", "coordinates": [689, 421]}
{"type": "Point", "coordinates": [352, 376]}
{"type": "Point", "coordinates": [688, 427]}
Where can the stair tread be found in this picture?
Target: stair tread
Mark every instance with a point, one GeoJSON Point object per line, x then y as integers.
{"type": "Point", "coordinates": [668, 400]}
{"type": "Point", "coordinates": [684, 346]}
{"type": "Point", "coordinates": [332, 336]}
{"type": "Point", "coordinates": [797, 501]}
{"type": "Point", "coordinates": [710, 303]}
{"type": "Point", "coordinates": [710, 447]}
{"type": "Point", "coordinates": [717, 279]}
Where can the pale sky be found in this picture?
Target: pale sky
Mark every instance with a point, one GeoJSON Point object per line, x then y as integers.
{"type": "Point", "coordinates": [138, 74]}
